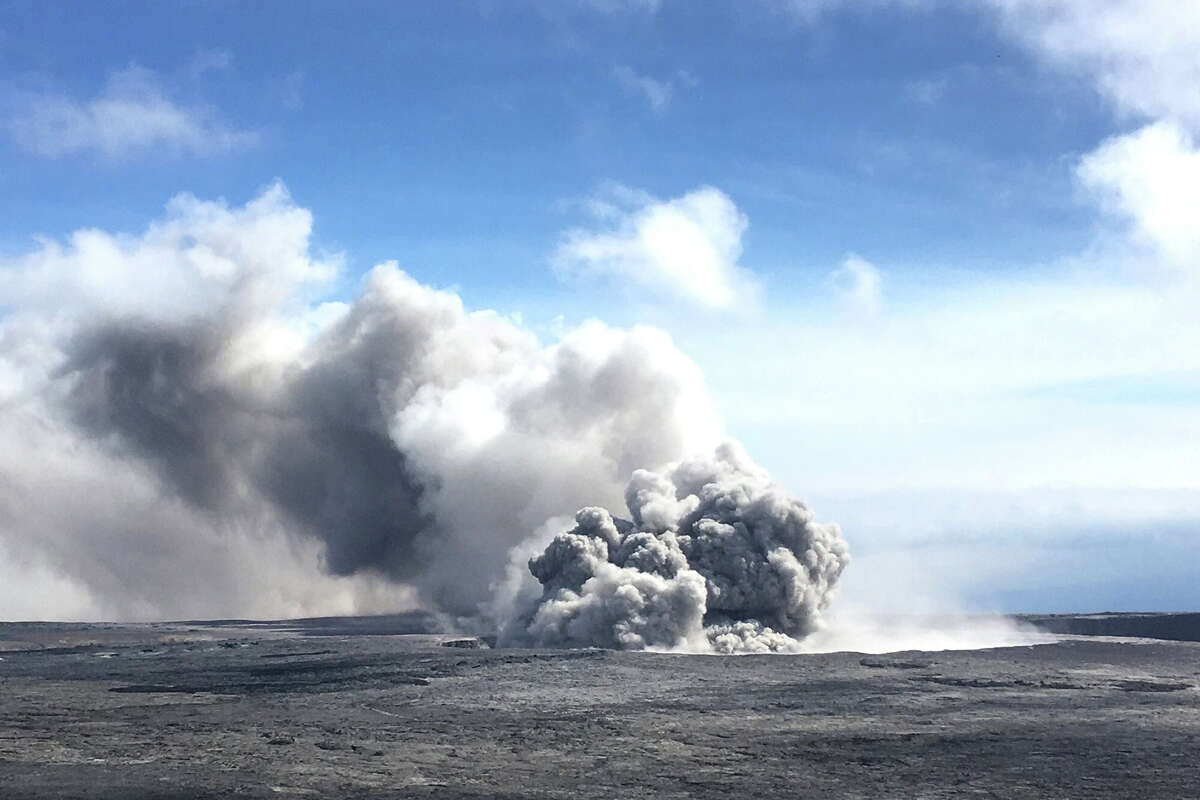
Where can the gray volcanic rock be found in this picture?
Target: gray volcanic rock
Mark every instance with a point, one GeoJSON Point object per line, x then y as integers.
{"type": "Point", "coordinates": [264, 710]}
{"type": "Point", "coordinates": [465, 644]}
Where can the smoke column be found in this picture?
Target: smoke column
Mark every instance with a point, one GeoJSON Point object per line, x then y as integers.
{"type": "Point", "coordinates": [715, 557]}
{"type": "Point", "coordinates": [188, 430]}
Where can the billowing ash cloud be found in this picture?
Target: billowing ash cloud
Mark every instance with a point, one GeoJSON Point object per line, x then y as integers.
{"type": "Point", "coordinates": [715, 557]}
{"type": "Point", "coordinates": [187, 430]}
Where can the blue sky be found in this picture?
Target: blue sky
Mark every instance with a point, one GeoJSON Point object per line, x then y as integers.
{"type": "Point", "coordinates": [955, 244]}
{"type": "Point", "coordinates": [413, 130]}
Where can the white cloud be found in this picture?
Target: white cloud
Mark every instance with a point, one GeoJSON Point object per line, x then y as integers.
{"type": "Point", "coordinates": [1144, 55]}
{"type": "Point", "coordinates": [687, 247]}
{"type": "Point", "coordinates": [1152, 178]}
{"type": "Point", "coordinates": [859, 284]}
{"type": "Point", "coordinates": [134, 113]}
{"type": "Point", "coordinates": [655, 92]}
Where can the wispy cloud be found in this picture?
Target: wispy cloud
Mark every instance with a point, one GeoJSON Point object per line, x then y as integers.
{"type": "Point", "coordinates": [205, 61]}
{"type": "Point", "coordinates": [655, 92]}
{"type": "Point", "coordinates": [859, 285]}
{"type": "Point", "coordinates": [686, 247]}
{"type": "Point", "coordinates": [133, 113]}
{"type": "Point", "coordinates": [292, 90]}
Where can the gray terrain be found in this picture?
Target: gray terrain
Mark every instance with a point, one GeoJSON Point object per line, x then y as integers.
{"type": "Point", "coordinates": [378, 707]}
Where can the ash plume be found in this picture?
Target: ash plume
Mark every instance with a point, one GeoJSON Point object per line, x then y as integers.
{"type": "Point", "coordinates": [189, 431]}
{"type": "Point", "coordinates": [715, 557]}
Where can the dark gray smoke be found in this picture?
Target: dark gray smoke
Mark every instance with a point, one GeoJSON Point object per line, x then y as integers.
{"type": "Point", "coordinates": [315, 447]}
{"type": "Point", "coordinates": [716, 557]}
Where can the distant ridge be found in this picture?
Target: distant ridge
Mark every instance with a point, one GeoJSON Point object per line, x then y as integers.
{"type": "Point", "coordinates": [1183, 627]}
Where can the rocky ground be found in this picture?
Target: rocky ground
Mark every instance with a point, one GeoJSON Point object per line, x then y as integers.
{"type": "Point", "coordinates": [359, 709]}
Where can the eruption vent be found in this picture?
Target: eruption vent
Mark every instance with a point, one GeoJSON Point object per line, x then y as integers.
{"type": "Point", "coordinates": [716, 557]}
